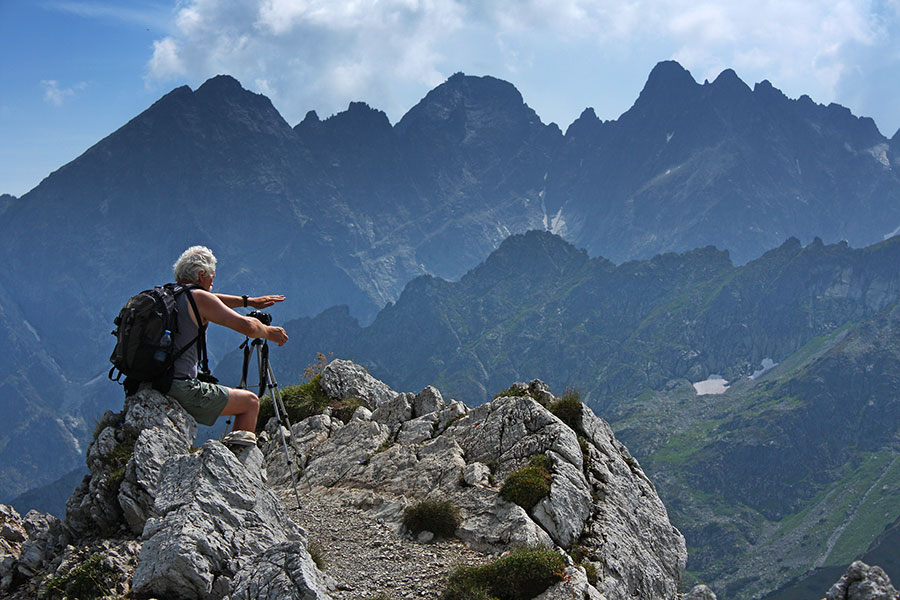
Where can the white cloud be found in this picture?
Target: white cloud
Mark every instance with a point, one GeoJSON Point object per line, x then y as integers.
{"type": "Point", "coordinates": [57, 96]}
{"type": "Point", "coordinates": [147, 14]}
{"type": "Point", "coordinates": [321, 54]}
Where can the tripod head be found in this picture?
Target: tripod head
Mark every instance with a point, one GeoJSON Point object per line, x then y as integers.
{"type": "Point", "coordinates": [261, 316]}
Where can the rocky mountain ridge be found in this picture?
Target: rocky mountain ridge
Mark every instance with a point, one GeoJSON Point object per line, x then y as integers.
{"type": "Point", "coordinates": [156, 517]}
{"type": "Point", "coordinates": [203, 523]}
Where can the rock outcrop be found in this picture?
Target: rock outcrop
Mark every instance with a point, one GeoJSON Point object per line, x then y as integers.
{"type": "Point", "coordinates": [399, 450]}
{"type": "Point", "coordinates": [862, 582]}
{"type": "Point", "coordinates": [157, 517]}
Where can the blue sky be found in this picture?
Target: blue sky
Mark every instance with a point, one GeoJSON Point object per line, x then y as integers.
{"type": "Point", "coordinates": [72, 72]}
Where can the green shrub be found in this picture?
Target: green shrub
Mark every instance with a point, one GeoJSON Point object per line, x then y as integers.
{"type": "Point", "coordinates": [513, 390]}
{"type": "Point", "coordinates": [521, 575]}
{"type": "Point", "coordinates": [344, 409]}
{"type": "Point", "coordinates": [528, 485]}
{"type": "Point", "coordinates": [568, 409]}
{"type": "Point", "coordinates": [439, 517]}
{"type": "Point", "coordinates": [118, 459]}
{"type": "Point", "coordinates": [301, 401]}
{"type": "Point", "coordinates": [591, 571]}
{"type": "Point", "coordinates": [89, 580]}
{"type": "Point", "coordinates": [305, 400]}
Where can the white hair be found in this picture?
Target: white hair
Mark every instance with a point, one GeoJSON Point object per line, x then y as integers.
{"type": "Point", "coordinates": [192, 262]}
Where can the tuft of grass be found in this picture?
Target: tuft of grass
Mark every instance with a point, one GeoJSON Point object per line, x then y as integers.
{"type": "Point", "coordinates": [344, 409]}
{"type": "Point", "coordinates": [440, 517]}
{"type": "Point", "coordinates": [515, 390]}
{"type": "Point", "coordinates": [568, 409]}
{"type": "Point", "coordinates": [520, 575]}
{"type": "Point", "coordinates": [318, 555]}
{"type": "Point", "coordinates": [305, 400]}
{"type": "Point", "coordinates": [89, 580]}
{"type": "Point", "coordinates": [118, 459]}
{"type": "Point", "coordinates": [301, 401]}
{"type": "Point", "coordinates": [528, 485]}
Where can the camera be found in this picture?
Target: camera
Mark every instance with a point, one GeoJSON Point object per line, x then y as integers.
{"type": "Point", "coordinates": [264, 317]}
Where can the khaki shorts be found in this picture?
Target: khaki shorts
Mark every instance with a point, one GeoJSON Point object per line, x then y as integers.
{"type": "Point", "coordinates": [203, 401]}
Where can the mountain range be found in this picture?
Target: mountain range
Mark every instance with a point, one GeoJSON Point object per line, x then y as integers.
{"type": "Point", "coordinates": [352, 210]}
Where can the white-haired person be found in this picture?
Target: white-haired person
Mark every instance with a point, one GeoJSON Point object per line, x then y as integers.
{"type": "Point", "coordinates": [207, 401]}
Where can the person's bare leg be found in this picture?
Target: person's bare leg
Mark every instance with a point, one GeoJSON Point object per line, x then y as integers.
{"type": "Point", "coordinates": [244, 405]}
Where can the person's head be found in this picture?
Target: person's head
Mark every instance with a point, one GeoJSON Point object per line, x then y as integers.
{"type": "Point", "coordinates": [195, 263]}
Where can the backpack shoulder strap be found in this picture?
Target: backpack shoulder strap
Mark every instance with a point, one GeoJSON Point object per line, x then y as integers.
{"type": "Point", "coordinates": [201, 333]}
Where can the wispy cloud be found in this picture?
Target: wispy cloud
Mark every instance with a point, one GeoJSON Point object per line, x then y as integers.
{"type": "Point", "coordinates": [156, 15]}
{"type": "Point", "coordinates": [323, 53]}
{"type": "Point", "coordinates": [57, 96]}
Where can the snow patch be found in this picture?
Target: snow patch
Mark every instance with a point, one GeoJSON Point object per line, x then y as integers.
{"type": "Point", "coordinates": [32, 330]}
{"type": "Point", "coordinates": [716, 384]}
{"type": "Point", "coordinates": [558, 224]}
{"type": "Point", "coordinates": [669, 136]}
{"type": "Point", "coordinates": [879, 152]}
{"type": "Point", "coordinates": [767, 365]}
{"type": "Point", "coordinates": [893, 233]}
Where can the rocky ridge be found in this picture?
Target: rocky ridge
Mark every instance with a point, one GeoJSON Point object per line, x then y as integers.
{"type": "Point", "coordinates": [156, 517]}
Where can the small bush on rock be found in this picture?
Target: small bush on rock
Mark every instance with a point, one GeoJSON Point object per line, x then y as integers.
{"type": "Point", "coordinates": [568, 409]}
{"type": "Point", "coordinates": [439, 517]}
{"type": "Point", "coordinates": [305, 400]}
{"type": "Point", "coordinates": [528, 485]}
{"type": "Point", "coordinates": [301, 401]}
{"type": "Point", "coordinates": [515, 390]}
{"type": "Point", "coordinates": [521, 575]}
{"type": "Point", "coordinates": [89, 580]}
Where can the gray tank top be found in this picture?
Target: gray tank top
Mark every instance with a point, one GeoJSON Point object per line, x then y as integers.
{"type": "Point", "coordinates": [186, 364]}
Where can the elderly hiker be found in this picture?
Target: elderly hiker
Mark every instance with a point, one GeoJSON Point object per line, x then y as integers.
{"type": "Point", "coordinates": [207, 400]}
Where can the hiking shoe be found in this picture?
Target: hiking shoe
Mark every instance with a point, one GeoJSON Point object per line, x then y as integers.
{"type": "Point", "coordinates": [239, 437]}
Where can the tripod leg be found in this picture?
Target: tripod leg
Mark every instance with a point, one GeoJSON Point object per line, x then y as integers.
{"type": "Point", "coordinates": [278, 404]}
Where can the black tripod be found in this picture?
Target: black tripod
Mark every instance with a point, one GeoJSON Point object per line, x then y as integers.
{"type": "Point", "coordinates": [267, 381]}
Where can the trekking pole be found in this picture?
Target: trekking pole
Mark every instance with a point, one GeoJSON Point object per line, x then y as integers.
{"type": "Point", "coordinates": [266, 374]}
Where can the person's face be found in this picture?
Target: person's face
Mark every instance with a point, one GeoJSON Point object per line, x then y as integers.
{"type": "Point", "coordinates": [206, 280]}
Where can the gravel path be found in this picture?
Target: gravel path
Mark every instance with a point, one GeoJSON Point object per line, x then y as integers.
{"type": "Point", "coordinates": [368, 558]}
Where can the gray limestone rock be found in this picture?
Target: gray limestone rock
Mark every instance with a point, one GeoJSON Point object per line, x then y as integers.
{"type": "Point", "coordinates": [124, 461]}
{"type": "Point", "coordinates": [637, 551]}
{"type": "Point", "coordinates": [451, 413]}
{"type": "Point", "coordinates": [564, 512]}
{"type": "Point", "coordinates": [395, 412]}
{"type": "Point", "coordinates": [428, 401]}
{"type": "Point", "coordinates": [152, 449]}
{"type": "Point", "coordinates": [417, 430]}
{"type": "Point", "coordinates": [863, 582]}
{"type": "Point", "coordinates": [345, 451]}
{"type": "Point", "coordinates": [12, 535]}
{"type": "Point", "coordinates": [283, 572]}
{"type": "Point", "coordinates": [700, 592]}
{"type": "Point", "coordinates": [477, 474]}
{"type": "Point", "coordinates": [45, 536]}
{"type": "Point", "coordinates": [574, 585]}
{"type": "Point", "coordinates": [343, 379]}
{"type": "Point", "coordinates": [214, 517]}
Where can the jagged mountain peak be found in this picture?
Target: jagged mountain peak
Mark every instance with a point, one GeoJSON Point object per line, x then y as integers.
{"type": "Point", "coordinates": [464, 96]}
{"type": "Point", "coordinates": [221, 84]}
{"type": "Point", "coordinates": [729, 82]}
{"type": "Point", "coordinates": [668, 78]}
